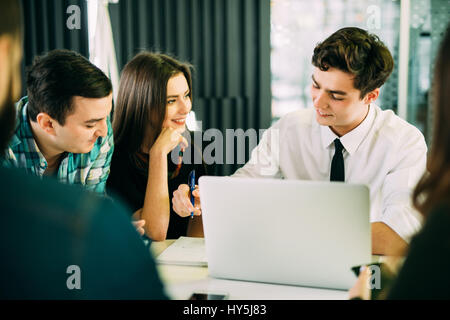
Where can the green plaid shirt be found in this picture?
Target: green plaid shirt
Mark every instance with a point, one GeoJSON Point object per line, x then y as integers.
{"type": "Point", "coordinates": [88, 169]}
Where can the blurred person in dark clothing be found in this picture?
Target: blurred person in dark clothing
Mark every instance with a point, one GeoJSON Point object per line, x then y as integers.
{"type": "Point", "coordinates": [59, 241]}
{"type": "Point", "coordinates": [420, 276]}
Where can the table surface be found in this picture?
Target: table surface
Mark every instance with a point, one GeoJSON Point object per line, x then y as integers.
{"type": "Point", "coordinates": [182, 281]}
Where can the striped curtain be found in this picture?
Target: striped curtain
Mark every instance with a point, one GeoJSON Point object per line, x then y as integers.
{"type": "Point", "coordinates": [46, 28]}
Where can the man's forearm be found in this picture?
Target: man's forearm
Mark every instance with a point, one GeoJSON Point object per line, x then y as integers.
{"type": "Point", "coordinates": [386, 241]}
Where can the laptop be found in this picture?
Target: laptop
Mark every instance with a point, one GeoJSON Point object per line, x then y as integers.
{"type": "Point", "coordinates": [292, 232]}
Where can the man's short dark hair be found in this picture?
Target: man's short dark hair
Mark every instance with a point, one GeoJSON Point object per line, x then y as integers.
{"type": "Point", "coordinates": [358, 52]}
{"type": "Point", "coordinates": [54, 79]}
{"type": "Point", "coordinates": [10, 17]}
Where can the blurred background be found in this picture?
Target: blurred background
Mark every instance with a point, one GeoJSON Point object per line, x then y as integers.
{"type": "Point", "coordinates": [251, 58]}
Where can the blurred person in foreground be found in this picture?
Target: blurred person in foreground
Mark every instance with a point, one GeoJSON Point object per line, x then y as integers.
{"type": "Point", "coordinates": [420, 277]}
{"type": "Point", "coordinates": [60, 241]}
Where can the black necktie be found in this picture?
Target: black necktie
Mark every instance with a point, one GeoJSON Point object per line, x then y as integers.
{"type": "Point", "coordinates": [337, 164]}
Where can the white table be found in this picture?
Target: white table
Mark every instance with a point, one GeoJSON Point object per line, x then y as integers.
{"type": "Point", "coordinates": [182, 281]}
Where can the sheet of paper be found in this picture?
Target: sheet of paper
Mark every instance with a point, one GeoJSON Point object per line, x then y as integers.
{"type": "Point", "coordinates": [185, 251]}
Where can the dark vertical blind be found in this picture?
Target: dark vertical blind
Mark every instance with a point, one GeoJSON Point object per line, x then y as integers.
{"type": "Point", "coordinates": [45, 29]}
{"type": "Point", "coordinates": [227, 41]}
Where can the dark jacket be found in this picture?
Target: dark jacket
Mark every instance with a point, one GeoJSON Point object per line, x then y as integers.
{"type": "Point", "coordinates": [47, 227]}
{"type": "Point", "coordinates": [425, 272]}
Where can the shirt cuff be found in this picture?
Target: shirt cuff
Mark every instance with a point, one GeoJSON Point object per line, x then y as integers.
{"type": "Point", "coordinates": [405, 221]}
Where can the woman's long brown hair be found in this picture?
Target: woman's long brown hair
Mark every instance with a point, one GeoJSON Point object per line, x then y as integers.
{"type": "Point", "coordinates": [141, 100]}
{"type": "Point", "coordinates": [434, 187]}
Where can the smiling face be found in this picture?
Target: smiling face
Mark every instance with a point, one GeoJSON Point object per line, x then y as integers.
{"type": "Point", "coordinates": [84, 126]}
{"type": "Point", "coordinates": [337, 101]}
{"type": "Point", "coordinates": [178, 104]}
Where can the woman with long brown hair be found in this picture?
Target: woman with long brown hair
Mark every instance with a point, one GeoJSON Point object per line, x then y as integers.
{"type": "Point", "coordinates": [424, 274]}
{"type": "Point", "coordinates": [153, 102]}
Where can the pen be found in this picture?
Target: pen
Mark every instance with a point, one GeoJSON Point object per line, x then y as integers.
{"type": "Point", "coordinates": [192, 187]}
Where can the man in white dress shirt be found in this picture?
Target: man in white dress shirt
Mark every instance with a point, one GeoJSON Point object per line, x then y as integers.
{"type": "Point", "coordinates": [375, 147]}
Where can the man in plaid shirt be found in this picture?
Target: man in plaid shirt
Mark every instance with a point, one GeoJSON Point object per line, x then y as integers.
{"type": "Point", "coordinates": [63, 126]}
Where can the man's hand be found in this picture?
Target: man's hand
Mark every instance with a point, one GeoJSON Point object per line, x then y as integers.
{"type": "Point", "coordinates": [181, 202]}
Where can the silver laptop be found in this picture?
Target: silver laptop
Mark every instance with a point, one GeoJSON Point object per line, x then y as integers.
{"type": "Point", "coordinates": [290, 232]}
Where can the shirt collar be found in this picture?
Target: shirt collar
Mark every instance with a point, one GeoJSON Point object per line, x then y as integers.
{"type": "Point", "coordinates": [24, 134]}
{"type": "Point", "coordinates": [352, 139]}
{"type": "Point", "coordinates": [22, 129]}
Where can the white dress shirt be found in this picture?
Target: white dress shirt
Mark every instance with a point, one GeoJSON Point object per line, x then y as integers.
{"type": "Point", "coordinates": [384, 152]}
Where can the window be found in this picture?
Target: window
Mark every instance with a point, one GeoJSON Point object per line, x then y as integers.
{"type": "Point", "coordinates": [298, 25]}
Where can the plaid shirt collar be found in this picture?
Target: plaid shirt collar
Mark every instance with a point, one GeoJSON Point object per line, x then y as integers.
{"type": "Point", "coordinates": [24, 136]}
